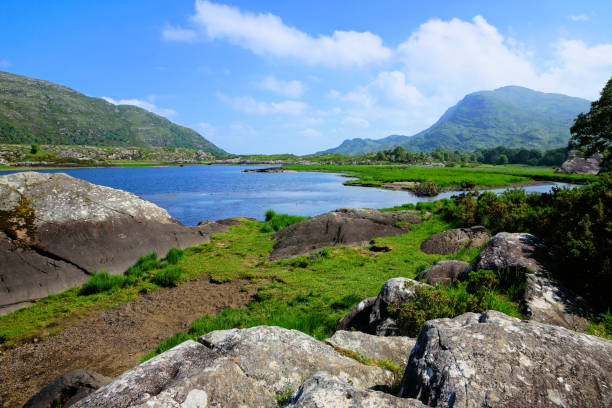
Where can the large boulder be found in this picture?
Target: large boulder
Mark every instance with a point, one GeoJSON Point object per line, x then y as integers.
{"type": "Point", "coordinates": [490, 359]}
{"type": "Point", "coordinates": [395, 348]}
{"type": "Point", "coordinates": [359, 317]}
{"type": "Point", "coordinates": [340, 227]}
{"type": "Point", "coordinates": [188, 375]}
{"type": "Point", "coordinates": [281, 358]}
{"type": "Point", "coordinates": [451, 241]}
{"type": "Point", "coordinates": [445, 273]}
{"type": "Point", "coordinates": [55, 230]}
{"type": "Point", "coordinates": [581, 165]}
{"type": "Point", "coordinates": [67, 389]}
{"type": "Point", "coordinates": [517, 251]}
{"type": "Point", "coordinates": [324, 390]}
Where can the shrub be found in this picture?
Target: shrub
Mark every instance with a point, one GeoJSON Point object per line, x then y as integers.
{"type": "Point", "coordinates": [34, 149]}
{"type": "Point", "coordinates": [426, 189]}
{"type": "Point", "coordinates": [276, 222]}
{"type": "Point", "coordinates": [102, 282]}
{"type": "Point", "coordinates": [173, 256]}
{"type": "Point", "coordinates": [170, 276]}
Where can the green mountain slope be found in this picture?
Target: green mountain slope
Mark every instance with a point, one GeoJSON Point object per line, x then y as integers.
{"type": "Point", "coordinates": [511, 116]}
{"type": "Point", "coordinates": [36, 111]}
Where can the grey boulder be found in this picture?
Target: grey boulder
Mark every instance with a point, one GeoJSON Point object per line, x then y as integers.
{"type": "Point", "coordinates": [67, 389]}
{"type": "Point", "coordinates": [493, 360]}
{"type": "Point", "coordinates": [451, 241]}
{"type": "Point", "coordinates": [520, 251]}
{"type": "Point", "coordinates": [395, 348]}
{"type": "Point", "coordinates": [445, 273]}
{"type": "Point", "coordinates": [582, 165]}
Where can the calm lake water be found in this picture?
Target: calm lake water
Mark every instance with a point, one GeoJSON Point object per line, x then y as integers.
{"type": "Point", "coordinates": [195, 193]}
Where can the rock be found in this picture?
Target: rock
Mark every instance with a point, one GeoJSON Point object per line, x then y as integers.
{"type": "Point", "coordinates": [359, 317]}
{"type": "Point", "coordinates": [451, 241]}
{"type": "Point", "coordinates": [399, 290]}
{"type": "Point", "coordinates": [445, 273]}
{"type": "Point", "coordinates": [396, 348]}
{"type": "Point", "coordinates": [580, 165]}
{"type": "Point", "coordinates": [188, 375]}
{"type": "Point", "coordinates": [281, 359]}
{"type": "Point", "coordinates": [67, 389]}
{"type": "Point", "coordinates": [269, 170]}
{"type": "Point", "coordinates": [490, 359]}
{"type": "Point", "coordinates": [340, 227]}
{"type": "Point", "coordinates": [324, 390]}
{"type": "Point", "coordinates": [548, 302]}
{"type": "Point", "coordinates": [56, 230]}
{"type": "Point", "coordinates": [518, 251]}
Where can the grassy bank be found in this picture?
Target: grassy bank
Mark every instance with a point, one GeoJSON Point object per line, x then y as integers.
{"type": "Point", "coordinates": [485, 176]}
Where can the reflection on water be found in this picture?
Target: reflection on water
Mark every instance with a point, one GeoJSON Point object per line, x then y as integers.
{"type": "Point", "coordinates": [195, 193]}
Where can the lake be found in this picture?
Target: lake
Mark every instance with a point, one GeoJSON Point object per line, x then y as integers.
{"type": "Point", "coordinates": [195, 193]}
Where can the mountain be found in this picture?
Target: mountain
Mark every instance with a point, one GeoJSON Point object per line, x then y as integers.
{"type": "Point", "coordinates": [511, 116]}
{"type": "Point", "coordinates": [36, 111]}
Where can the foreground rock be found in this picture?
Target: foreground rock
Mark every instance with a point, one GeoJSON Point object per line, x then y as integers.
{"type": "Point", "coordinates": [232, 368]}
{"type": "Point", "coordinates": [445, 273]}
{"type": "Point", "coordinates": [340, 227]}
{"type": "Point", "coordinates": [495, 360]}
{"type": "Point", "coordinates": [55, 230]}
{"type": "Point", "coordinates": [371, 315]}
{"type": "Point", "coordinates": [581, 165]}
{"type": "Point", "coordinates": [324, 390]}
{"type": "Point", "coordinates": [396, 348]}
{"type": "Point", "coordinates": [451, 241]}
{"type": "Point", "coordinates": [516, 251]}
{"type": "Point", "coordinates": [67, 390]}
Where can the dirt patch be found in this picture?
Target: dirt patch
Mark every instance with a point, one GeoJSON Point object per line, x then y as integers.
{"type": "Point", "coordinates": [114, 340]}
{"type": "Point", "coordinates": [399, 185]}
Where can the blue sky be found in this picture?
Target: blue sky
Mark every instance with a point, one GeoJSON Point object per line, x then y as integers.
{"type": "Point", "coordinates": [301, 76]}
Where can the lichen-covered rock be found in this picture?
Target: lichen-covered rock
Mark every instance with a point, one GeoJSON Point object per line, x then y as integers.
{"type": "Point", "coordinates": [323, 390]}
{"type": "Point", "coordinates": [359, 317]}
{"type": "Point", "coordinates": [444, 273]}
{"type": "Point", "coordinates": [56, 230]}
{"type": "Point", "coordinates": [515, 251]}
{"type": "Point", "coordinates": [400, 290]}
{"type": "Point", "coordinates": [67, 389]}
{"type": "Point", "coordinates": [548, 302]}
{"type": "Point", "coordinates": [493, 360]}
{"type": "Point", "coordinates": [451, 241]}
{"type": "Point", "coordinates": [395, 348]}
{"type": "Point", "coordinates": [340, 227]}
{"type": "Point", "coordinates": [282, 359]}
{"type": "Point", "coordinates": [188, 375]}
{"type": "Point", "coordinates": [581, 165]}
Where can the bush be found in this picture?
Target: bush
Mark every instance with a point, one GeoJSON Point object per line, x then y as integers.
{"type": "Point", "coordinates": [144, 264]}
{"type": "Point", "coordinates": [34, 149]}
{"type": "Point", "coordinates": [102, 282]}
{"type": "Point", "coordinates": [276, 222]}
{"type": "Point", "coordinates": [426, 189]}
{"type": "Point", "coordinates": [170, 276]}
{"type": "Point", "coordinates": [173, 256]}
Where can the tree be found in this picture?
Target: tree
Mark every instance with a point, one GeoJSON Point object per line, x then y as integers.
{"type": "Point", "coordinates": [592, 132]}
{"type": "Point", "coordinates": [34, 149]}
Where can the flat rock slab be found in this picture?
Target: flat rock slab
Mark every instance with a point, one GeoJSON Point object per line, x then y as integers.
{"type": "Point", "coordinates": [515, 251]}
{"type": "Point", "coordinates": [581, 165]}
{"type": "Point", "coordinates": [340, 227]}
{"type": "Point", "coordinates": [67, 389]}
{"type": "Point", "coordinates": [324, 390]}
{"type": "Point", "coordinates": [494, 360]}
{"type": "Point", "coordinates": [394, 348]}
{"type": "Point", "coordinates": [445, 273]}
{"type": "Point", "coordinates": [282, 359]}
{"type": "Point", "coordinates": [451, 241]}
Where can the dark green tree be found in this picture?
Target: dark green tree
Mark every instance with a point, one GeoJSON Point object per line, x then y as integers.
{"type": "Point", "coordinates": [592, 132]}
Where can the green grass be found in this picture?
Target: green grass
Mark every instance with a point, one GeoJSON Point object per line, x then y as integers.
{"type": "Point", "coordinates": [169, 277]}
{"type": "Point", "coordinates": [102, 282]}
{"type": "Point", "coordinates": [485, 176]}
{"type": "Point", "coordinates": [276, 222]}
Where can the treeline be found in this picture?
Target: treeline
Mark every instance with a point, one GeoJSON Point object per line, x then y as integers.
{"type": "Point", "coordinates": [495, 155]}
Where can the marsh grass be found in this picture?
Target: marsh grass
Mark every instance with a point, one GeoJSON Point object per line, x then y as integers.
{"type": "Point", "coordinates": [276, 222]}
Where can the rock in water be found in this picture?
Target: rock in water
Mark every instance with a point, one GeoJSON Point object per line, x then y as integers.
{"type": "Point", "coordinates": [340, 227]}
{"type": "Point", "coordinates": [445, 273]}
{"type": "Point", "coordinates": [451, 241]}
{"type": "Point", "coordinates": [67, 389]}
{"type": "Point", "coordinates": [393, 348]}
{"type": "Point", "coordinates": [323, 390]}
{"type": "Point", "coordinates": [55, 230]}
{"type": "Point", "coordinates": [493, 360]}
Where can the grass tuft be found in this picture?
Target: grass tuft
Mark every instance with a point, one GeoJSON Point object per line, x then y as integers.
{"type": "Point", "coordinates": [276, 222]}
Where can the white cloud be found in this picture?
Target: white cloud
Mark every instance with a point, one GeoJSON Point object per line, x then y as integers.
{"type": "Point", "coordinates": [358, 122]}
{"type": "Point", "coordinates": [150, 106]}
{"type": "Point", "coordinates": [389, 88]}
{"type": "Point", "coordinates": [170, 33]}
{"type": "Point", "coordinates": [266, 34]}
{"type": "Point", "coordinates": [292, 89]}
{"type": "Point", "coordinates": [4, 63]}
{"type": "Point", "coordinates": [248, 104]}
{"type": "Point", "coordinates": [310, 133]}
{"type": "Point", "coordinates": [579, 17]}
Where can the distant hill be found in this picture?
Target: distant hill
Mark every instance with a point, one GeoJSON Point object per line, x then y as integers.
{"type": "Point", "coordinates": [511, 116]}
{"type": "Point", "coordinates": [36, 111]}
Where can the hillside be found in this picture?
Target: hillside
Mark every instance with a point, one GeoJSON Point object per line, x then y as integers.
{"type": "Point", "coordinates": [511, 116]}
{"type": "Point", "coordinates": [36, 111]}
